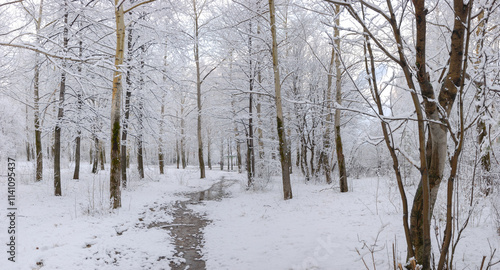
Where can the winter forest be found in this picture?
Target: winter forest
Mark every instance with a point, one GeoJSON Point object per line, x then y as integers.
{"type": "Point", "coordinates": [250, 134]}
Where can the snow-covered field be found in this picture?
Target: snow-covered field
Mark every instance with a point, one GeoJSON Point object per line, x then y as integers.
{"type": "Point", "coordinates": [320, 228]}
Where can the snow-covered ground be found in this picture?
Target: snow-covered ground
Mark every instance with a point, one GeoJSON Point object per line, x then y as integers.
{"type": "Point", "coordinates": [320, 228]}
{"type": "Point", "coordinates": [78, 231]}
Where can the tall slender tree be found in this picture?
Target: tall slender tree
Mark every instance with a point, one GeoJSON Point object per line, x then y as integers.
{"type": "Point", "coordinates": [115, 171]}
{"type": "Point", "coordinates": [128, 97]}
{"type": "Point", "coordinates": [338, 99]}
{"type": "Point", "coordinates": [36, 99]}
{"type": "Point", "coordinates": [285, 166]}
{"type": "Point", "coordinates": [196, 49]}
{"type": "Point", "coordinates": [60, 110]}
{"type": "Point", "coordinates": [78, 139]}
{"type": "Point", "coordinates": [435, 113]}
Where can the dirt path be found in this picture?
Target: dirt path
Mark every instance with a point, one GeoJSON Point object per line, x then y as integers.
{"type": "Point", "coordinates": [187, 227]}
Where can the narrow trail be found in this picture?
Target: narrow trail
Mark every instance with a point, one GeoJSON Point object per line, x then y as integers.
{"type": "Point", "coordinates": [187, 227]}
{"type": "Point", "coordinates": [187, 231]}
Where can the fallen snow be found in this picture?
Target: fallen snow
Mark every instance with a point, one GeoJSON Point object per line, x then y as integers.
{"type": "Point", "coordinates": [320, 228]}
{"type": "Point", "coordinates": [78, 231]}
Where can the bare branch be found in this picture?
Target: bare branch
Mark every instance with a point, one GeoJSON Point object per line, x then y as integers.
{"type": "Point", "coordinates": [31, 48]}
{"type": "Point", "coordinates": [140, 4]}
{"type": "Point", "coordinates": [8, 3]}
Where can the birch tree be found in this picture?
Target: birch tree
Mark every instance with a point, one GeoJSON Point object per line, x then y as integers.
{"type": "Point", "coordinates": [115, 171]}
{"type": "Point", "coordinates": [283, 149]}
{"type": "Point", "coordinates": [436, 108]}
{"type": "Point", "coordinates": [36, 93]}
{"type": "Point", "coordinates": [76, 173]}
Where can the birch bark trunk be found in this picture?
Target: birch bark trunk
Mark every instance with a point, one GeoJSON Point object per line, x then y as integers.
{"type": "Point", "coordinates": [285, 166]}
{"type": "Point", "coordinates": [115, 171]}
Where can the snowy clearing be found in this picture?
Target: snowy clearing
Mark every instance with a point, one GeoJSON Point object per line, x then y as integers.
{"type": "Point", "coordinates": [320, 228]}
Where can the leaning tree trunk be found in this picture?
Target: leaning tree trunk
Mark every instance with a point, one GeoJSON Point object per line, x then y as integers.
{"type": "Point", "coordinates": [386, 130]}
{"type": "Point", "coordinates": [287, 188]}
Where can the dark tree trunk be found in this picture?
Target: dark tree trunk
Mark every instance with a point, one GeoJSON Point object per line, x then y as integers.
{"type": "Point", "coordinates": [140, 147]}
{"type": "Point", "coordinates": [177, 153]}
{"type": "Point", "coordinates": [297, 161]}
{"type": "Point", "coordinates": [161, 161]}
{"type": "Point", "coordinates": [229, 158]}
{"type": "Point", "coordinates": [238, 156]}
{"type": "Point", "coordinates": [250, 149]}
{"type": "Point", "coordinates": [28, 151]}
{"type": "Point", "coordinates": [102, 155]}
{"type": "Point", "coordinates": [222, 154]}
{"type": "Point", "coordinates": [140, 160]}
{"type": "Point", "coordinates": [201, 162]}
{"type": "Point", "coordinates": [38, 136]}
{"type": "Point", "coordinates": [341, 161]}
{"type": "Point", "coordinates": [76, 174]}
{"type": "Point", "coordinates": [36, 105]}
{"type": "Point", "coordinates": [209, 149]}
{"type": "Point", "coordinates": [128, 96]}
{"type": "Point", "coordinates": [95, 155]}
{"type": "Point", "coordinates": [183, 137]}
{"type": "Point", "coordinates": [60, 113]}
